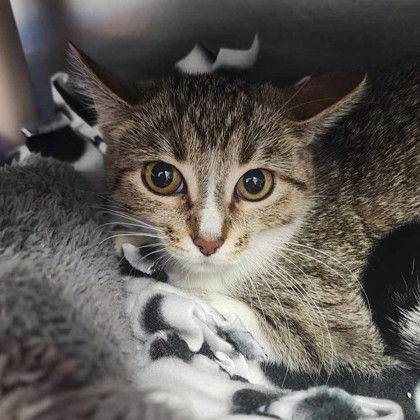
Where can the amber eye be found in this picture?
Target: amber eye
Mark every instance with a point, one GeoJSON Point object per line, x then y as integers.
{"type": "Point", "coordinates": [163, 178]}
{"type": "Point", "coordinates": [255, 185]}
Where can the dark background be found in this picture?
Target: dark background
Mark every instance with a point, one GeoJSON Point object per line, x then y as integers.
{"type": "Point", "coordinates": [139, 38]}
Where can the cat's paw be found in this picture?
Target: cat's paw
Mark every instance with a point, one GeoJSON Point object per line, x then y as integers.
{"type": "Point", "coordinates": [170, 323]}
{"type": "Point", "coordinates": [154, 307]}
{"type": "Point", "coordinates": [242, 339]}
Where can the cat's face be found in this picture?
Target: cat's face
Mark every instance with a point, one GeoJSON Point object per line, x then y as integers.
{"type": "Point", "coordinates": [219, 171]}
{"type": "Point", "coordinates": [214, 167]}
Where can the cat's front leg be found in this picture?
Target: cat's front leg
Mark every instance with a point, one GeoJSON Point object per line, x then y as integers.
{"type": "Point", "coordinates": [154, 307]}
{"type": "Point", "coordinates": [230, 307]}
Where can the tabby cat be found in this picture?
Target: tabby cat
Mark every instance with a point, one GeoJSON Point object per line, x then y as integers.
{"type": "Point", "coordinates": [267, 201]}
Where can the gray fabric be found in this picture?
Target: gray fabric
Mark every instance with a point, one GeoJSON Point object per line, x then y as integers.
{"type": "Point", "coordinates": [65, 345]}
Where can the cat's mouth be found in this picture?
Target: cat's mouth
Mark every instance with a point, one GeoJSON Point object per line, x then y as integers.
{"type": "Point", "coordinates": [166, 255]}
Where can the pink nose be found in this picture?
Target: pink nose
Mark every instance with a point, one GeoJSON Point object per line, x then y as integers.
{"type": "Point", "coordinates": [208, 247]}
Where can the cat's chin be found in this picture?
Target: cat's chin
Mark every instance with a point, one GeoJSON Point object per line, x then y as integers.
{"type": "Point", "coordinates": [206, 265]}
{"type": "Point", "coordinates": [209, 266]}
{"type": "Point", "coordinates": [209, 274]}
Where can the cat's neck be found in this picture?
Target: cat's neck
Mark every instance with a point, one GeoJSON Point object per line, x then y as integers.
{"type": "Point", "coordinates": [220, 280]}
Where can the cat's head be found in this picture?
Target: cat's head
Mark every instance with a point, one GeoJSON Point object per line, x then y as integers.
{"type": "Point", "coordinates": [220, 169]}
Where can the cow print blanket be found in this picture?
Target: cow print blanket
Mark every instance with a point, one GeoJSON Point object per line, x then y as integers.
{"type": "Point", "coordinates": [186, 350]}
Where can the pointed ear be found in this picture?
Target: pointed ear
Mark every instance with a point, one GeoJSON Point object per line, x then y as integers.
{"type": "Point", "coordinates": [317, 103]}
{"type": "Point", "coordinates": [106, 91]}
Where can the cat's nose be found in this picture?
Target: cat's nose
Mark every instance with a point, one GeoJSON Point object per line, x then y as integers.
{"type": "Point", "coordinates": [207, 247]}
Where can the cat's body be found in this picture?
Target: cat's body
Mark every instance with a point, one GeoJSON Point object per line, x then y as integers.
{"type": "Point", "coordinates": [289, 263]}
{"type": "Point", "coordinates": [368, 184]}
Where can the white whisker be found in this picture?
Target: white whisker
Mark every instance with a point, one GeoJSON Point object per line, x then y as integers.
{"type": "Point", "coordinates": [131, 224]}
{"type": "Point", "coordinates": [305, 295]}
{"type": "Point", "coordinates": [127, 234]}
{"type": "Point", "coordinates": [130, 218]}
{"type": "Point", "coordinates": [342, 265]}
{"type": "Point", "coordinates": [262, 277]}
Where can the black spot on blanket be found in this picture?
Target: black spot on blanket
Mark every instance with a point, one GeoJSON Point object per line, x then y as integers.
{"type": "Point", "coordinates": [393, 384]}
{"type": "Point", "coordinates": [159, 274]}
{"type": "Point", "coordinates": [392, 283]}
{"type": "Point", "coordinates": [152, 318]}
{"type": "Point", "coordinates": [156, 272]}
{"type": "Point", "coordinates": [327, 406]}
{"type": "Point", "coordinates": [238, 378]}
{"type": "Point", "coordinates": [126, 269]}
{"type": "Point", "coordinates": [97, 140]}
{"type": "Point", "coordinates": [206, 351]}
{"type": "Point", "coordinates": [170, 346]}
{"type": "Point", "coordinates": [63, 144]}
{"type": "Point", "coordinates": [251, 401]}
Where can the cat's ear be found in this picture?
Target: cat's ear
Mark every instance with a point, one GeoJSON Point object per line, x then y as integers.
{"type": "Point", "coordinates": [315, 104]}
{"type": "Point", "coordinates": [107, 92]}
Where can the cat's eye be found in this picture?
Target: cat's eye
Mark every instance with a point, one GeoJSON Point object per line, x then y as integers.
{"type": "Point", "coordinates": [163, 178]}
{"type": "Point", "coordinates": [255, 185]}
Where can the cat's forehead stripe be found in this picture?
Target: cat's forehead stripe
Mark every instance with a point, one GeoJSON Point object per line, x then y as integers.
{"type": "Point", "coordinates": [247, 151]}
{"type": "Point", "coordinates": [178, 145]}
{"type": "Point", "coordinates": [211, 220]}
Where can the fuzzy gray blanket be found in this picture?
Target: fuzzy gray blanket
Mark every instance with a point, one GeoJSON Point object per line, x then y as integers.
{"type": "Point", "coordinates": [66, 350]}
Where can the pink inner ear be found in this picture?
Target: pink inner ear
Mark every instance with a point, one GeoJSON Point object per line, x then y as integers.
{"type": "Point", "coordinates": [324, 94]}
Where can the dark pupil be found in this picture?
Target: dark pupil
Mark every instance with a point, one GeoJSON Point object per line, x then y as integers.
{"type": "Point", "coordinates": [162, 174]}
{"type": "Point", "coordinates": [254, 181]}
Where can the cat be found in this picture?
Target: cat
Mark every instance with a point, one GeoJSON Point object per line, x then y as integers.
{"type": "Point", "coordinates": [267, 201]}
